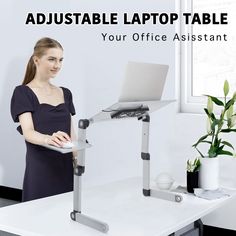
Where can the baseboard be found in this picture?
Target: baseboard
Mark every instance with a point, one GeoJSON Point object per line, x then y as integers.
{"type": "Point", "coordinates": [211, 231]}
{"type": "Point", "coordinates": [10, 193]}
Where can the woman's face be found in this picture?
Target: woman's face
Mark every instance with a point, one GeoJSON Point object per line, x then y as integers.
{"type": "Point", "coordinates": [50, 63]}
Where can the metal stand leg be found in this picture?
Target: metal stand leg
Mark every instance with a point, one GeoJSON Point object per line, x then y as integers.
{"type": "Point", "coordinates": [91, 222]}
{"type": "Point", "coordinates": [78, 171]}
{"type": "Point", "coordinates": [146, 167]}
{"type": "Point", "coordinates": [145, 155]}
{"type": "Point", "coordinates": [80, 168]}
{"type": "Point", "coordinates": [198, 224]}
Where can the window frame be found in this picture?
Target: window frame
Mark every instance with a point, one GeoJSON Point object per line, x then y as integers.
{"type": "Point", "coordinates": [188, 103]}
{"type": "Point", "coordinates": [184, 66]}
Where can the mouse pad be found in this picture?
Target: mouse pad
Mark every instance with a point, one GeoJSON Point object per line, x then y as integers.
{"type": "Point", "coordinates": [78, 145]}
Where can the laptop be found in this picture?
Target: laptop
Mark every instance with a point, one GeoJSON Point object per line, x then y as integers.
{"type": "Point", "coordinates": [141, 92]}
{"type": "Point", "coordinates": [143, 82]}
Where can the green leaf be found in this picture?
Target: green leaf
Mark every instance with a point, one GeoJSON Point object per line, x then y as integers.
{"type": "Point", "coordinates": [212, 152]}
{"type": "Point", "coordinates": [210, 115]}
{"type": "Point", "coordinates": [214, 124]}
{"type": "Point", "coordinates": [223, 152]}
{"type": "Point", "coordinates": [200, 140]}
{"type": "Point", "coordinates": [216, 100]}
{"type": "Point", "coordinates": [206, 142]}
{"type": "Point", "coordinates": [207, 112]}
{"type": "Point", "coordinates": [199, 152]}
{"type": "Point", "coordinates": [220, 148]}
{"type": "Point", "coordinates": [213, 116]}
{"type": "Point", "coordinates": [228, 130]}
{"type": "Point", "coordinates": [197, 164]}
{"type": "Point", "coordinates": [226, 88]}
{"type": "Point", "coordinates": [229, 104]}
{"type": "Point", "coordinates": [217, 142]}
{"type": "Point", "coordinates": [228, 144]}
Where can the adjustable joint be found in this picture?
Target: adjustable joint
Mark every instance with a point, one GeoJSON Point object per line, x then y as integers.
{"type": "Point", "coordinates": [79, 170]}
{"type": "Point", "coordinates": [145, 156]}
{"type": "Point", "coordinates": [83, 123]}
{"type": "Point", "coordinates": [146, 192]}
{"type": "Point", "coordinates": [73, 214]}
{"type": "Point", "coordinates": [146, 118]}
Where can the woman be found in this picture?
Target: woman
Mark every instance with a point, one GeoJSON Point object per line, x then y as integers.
{"type": "Point", "coordinates": [44, 112]}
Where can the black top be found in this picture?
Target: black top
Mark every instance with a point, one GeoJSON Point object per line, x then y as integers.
{"type": "Point", "coordinates": [47, 172]}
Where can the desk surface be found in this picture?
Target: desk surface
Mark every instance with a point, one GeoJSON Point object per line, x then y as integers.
{"type": "Point", "coordinates": [120, 204]}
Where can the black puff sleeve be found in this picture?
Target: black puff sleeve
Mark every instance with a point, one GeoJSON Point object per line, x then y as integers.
{"type": "Point", "coordinates": [21, 102]}
{"type": "Point", "coordinates": [69, 100]}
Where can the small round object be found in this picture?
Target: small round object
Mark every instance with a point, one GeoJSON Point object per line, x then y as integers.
{"type": "Point", "coordinates": [178, 198]}
{"type": "Point", "coordinates": [164, 181]}
{"type": "Point", "coordinates": [68, 145]}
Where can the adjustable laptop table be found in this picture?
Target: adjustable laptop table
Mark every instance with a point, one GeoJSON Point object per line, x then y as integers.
{"type": "Point", "coordinates": [139, 110]}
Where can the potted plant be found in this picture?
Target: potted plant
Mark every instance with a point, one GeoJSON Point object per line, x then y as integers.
{"type": "Point", "coordinates": [192, 174]}
{"type": "Point", "coordinates": [217, 145]}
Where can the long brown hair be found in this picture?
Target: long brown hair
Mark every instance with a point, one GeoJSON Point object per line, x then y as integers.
{"type": "Point", "coordinates": [39, 50]}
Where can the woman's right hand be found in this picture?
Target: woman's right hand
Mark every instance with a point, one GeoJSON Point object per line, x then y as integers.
{"type": "Point", "coordinates": [57, 139]}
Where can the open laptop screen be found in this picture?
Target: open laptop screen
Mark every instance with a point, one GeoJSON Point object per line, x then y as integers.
{"type": "Point", "coordinates": [143, 82]}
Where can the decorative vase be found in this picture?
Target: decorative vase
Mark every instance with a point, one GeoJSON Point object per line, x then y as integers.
{"type": "Point", "coordinates": [209, 173]}
{"type": "Point", "coordinates": [192, 181]}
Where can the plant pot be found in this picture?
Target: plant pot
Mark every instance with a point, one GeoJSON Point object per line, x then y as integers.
{"type": "Point", "coordinates": [209, 173]}
{"type": "Point", "coordinates": [192, 181]}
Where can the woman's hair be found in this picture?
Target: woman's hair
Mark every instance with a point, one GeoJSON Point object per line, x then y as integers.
{"type": "Point", "coordinates": [40, 49]}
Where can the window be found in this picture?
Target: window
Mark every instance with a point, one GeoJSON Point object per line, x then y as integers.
{"type": "Point", "coordinates": [205, 64]}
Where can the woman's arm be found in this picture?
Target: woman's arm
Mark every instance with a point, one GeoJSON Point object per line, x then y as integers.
{"type": "Point", "coordinates": [35, 137]}
{"type": "Point", "coordinates": [72, 131]}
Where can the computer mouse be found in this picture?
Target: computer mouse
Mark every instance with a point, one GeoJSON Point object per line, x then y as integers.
{"type": "Point", "coordinates": [67, 145]}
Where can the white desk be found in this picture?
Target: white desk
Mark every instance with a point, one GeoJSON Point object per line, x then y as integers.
{"type": "Point", "coordinates": [120, 204]}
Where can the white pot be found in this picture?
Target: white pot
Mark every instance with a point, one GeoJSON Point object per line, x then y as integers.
{"type": "Point", "coordinates": [209, 173]}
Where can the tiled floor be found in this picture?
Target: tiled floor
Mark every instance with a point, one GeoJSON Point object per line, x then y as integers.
{"type": "Point", "coordinates": [3, 203]}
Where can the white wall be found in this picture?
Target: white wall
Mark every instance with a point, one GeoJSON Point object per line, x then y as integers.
{"type": "Point", "coordinates": [94, 71]}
